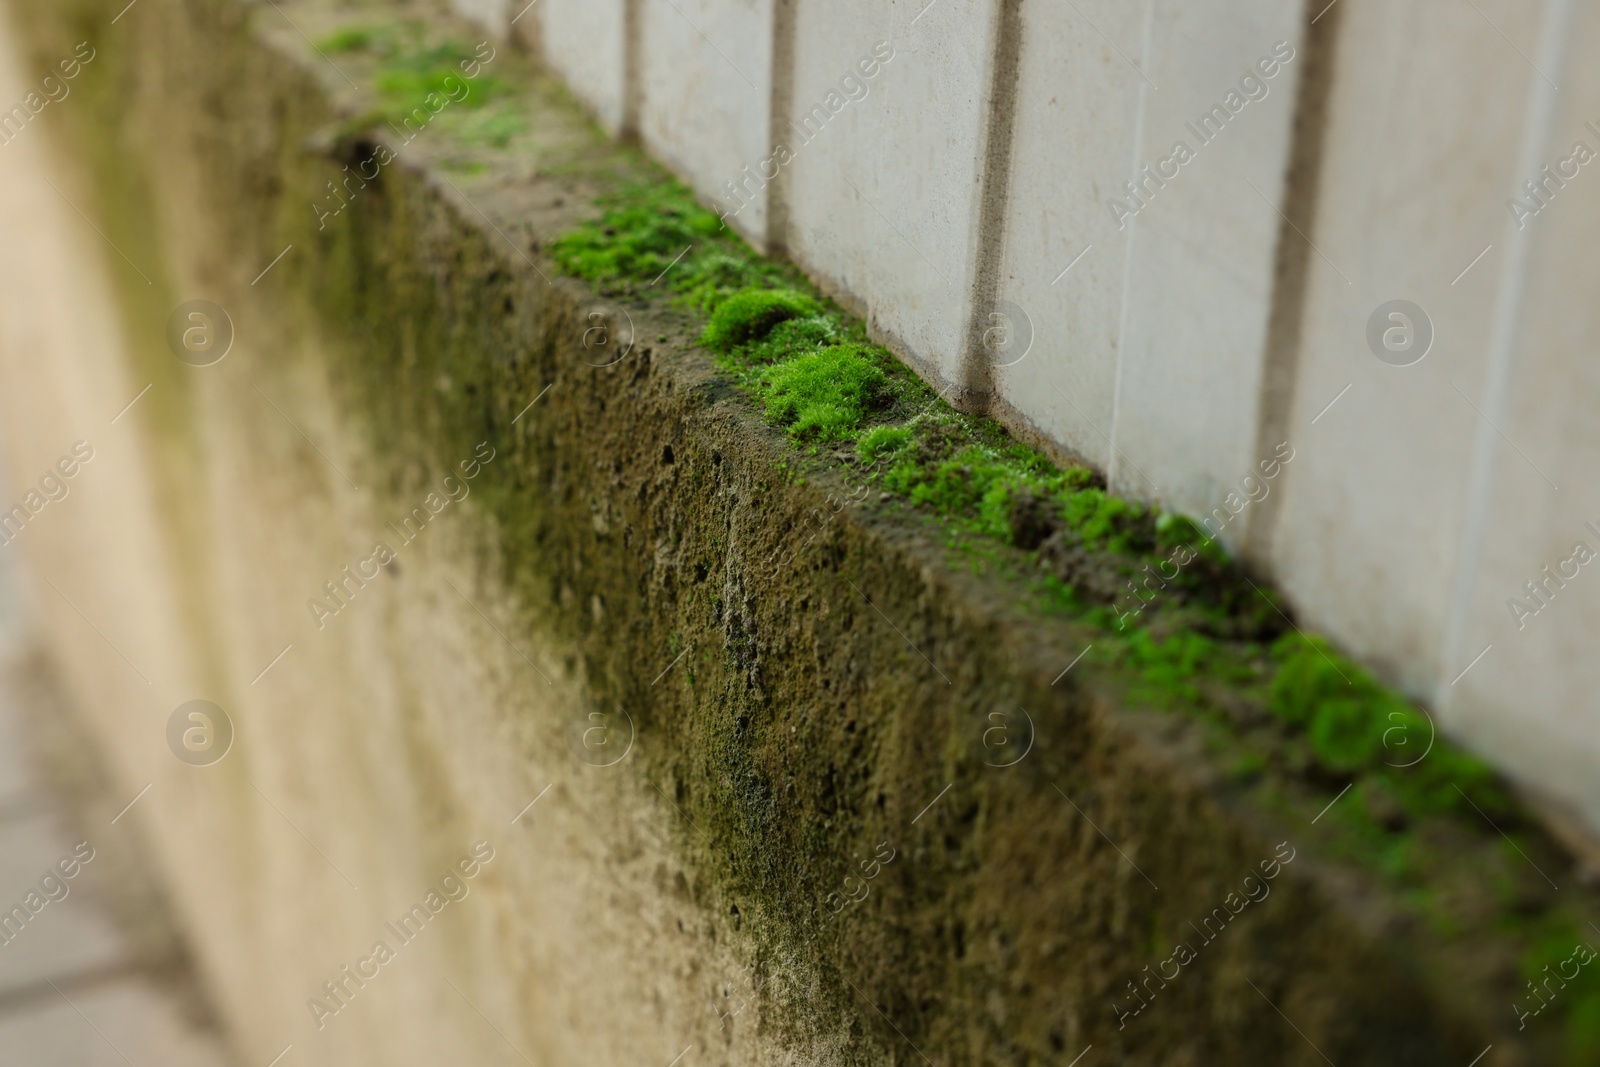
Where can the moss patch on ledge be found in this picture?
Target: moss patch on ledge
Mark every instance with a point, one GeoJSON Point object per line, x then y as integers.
{"type": "Point", "coordinates": [1181, 624]}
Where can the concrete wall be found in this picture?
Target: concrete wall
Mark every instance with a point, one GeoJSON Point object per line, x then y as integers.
{"type": "Point", "coordinates": [1218, 308]}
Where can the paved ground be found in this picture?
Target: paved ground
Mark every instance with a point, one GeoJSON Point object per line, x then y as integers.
{"type": "Point", "coordinates": [98, 976]}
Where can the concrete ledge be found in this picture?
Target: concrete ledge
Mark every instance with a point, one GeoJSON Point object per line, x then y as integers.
{"type": "Point", "coordinates": [788, 732]}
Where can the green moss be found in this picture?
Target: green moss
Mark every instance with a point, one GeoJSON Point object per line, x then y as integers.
{"type": "Point", "coordinates": [823, 395]}
{"type": "Point", "coordinates": [656, 237]}
{"type": "Point", "coordinates": [349, 39]}
{"type": "Point", "coordinates": [881, 442]}
{"type": "Point", "coordinates": [1102, 520]}
{"type": "Point", "coordinates": [750, 315]}
{"type": "Point", "coordinates": [409, 74]}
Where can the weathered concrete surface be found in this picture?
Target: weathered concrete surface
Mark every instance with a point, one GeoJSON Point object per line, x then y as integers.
{"type": "Point", "coordinates": [1430, 494]}
{"type": "Point", "coordinates": [609, 559]}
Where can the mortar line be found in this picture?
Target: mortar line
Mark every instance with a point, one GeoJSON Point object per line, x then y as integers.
{"type": "Point", "coordinates": [976, 372]}
{"type": "Point", "coordinates": [780, 108]}
{"type": "Point", "coordinates": [1301, 232]}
